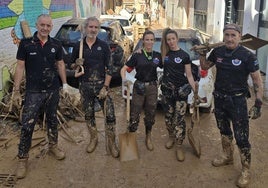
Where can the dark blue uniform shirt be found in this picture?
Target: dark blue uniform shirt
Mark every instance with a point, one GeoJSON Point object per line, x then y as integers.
{"type": "Point", "coordinates": [40, 63]}
{"type": "Point", "coordinates": [146, 65]}
{"type": "Point", "coordinates": [233, 68]}
{"type": "Point", "coordinates": [174, 68]}
{"type": "Point", "coordinates": [97, 60]}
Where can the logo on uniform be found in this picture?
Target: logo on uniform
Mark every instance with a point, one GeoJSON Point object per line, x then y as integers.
{"type": "Point", "coordinates": [166, 59]}
{"type": "Point", "coordinates": [156, 60]}
{"type": "Point", "coordinates": [177, 60]}
{"type": "Point", "coordinates": [219, 60]}
{"type": "Point", "coordinates": [236, 62]}
{"type": "Point", "coordinates": [99, 48]}
{"type": "Point", "coordinates": [53, 50]}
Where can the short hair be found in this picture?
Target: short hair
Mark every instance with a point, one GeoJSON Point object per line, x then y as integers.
{"type": "Point", "coordinates": [93, 18]}
{"type": "Point", "coordinates": [43, 16]}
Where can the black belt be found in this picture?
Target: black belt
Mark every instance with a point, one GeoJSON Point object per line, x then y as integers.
{"type": "Point", "coordinates": [148, 83]}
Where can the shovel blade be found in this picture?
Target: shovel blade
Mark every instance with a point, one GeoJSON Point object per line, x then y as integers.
{"type": "Point", "coordinates": [128, 146]}
{"type": "Point", "coordinates": [194, 142]}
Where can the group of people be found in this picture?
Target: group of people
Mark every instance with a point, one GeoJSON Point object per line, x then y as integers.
{"type": "Point", "coordinates": [41, 59]}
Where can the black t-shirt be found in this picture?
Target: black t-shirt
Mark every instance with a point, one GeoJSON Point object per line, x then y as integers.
{"type": "Point", "coordinates": [40, 63]}
{"type": "Point", "coordinates": [146, 65]}
{"type": "Point", "coordinates": [233, 68]}
{"type": "Point", "coordinates": [174, 68]}
{"type": "Point", "coordinates": [97, 60]}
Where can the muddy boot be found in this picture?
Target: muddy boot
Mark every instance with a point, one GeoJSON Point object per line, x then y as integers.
{"type": "Point", "coordinates": [56, 151]}
{"type": "Point", "coordinates": [171, 139]}
{"type": "Point", "coordinates": [244, 178]}
{"type": "Point", "coordinates": [170, 142]}
{"type": "Point", "coordinates": [179, 151]}
{"type": "Point", "coordinates": [148, 141]}
{"type": "Point", "coordinates": [93, 139]}
{"type": "Point", "coordinates": [21, 168]}
{"type": "Point", "coordinates": [228, 150]}
{"type": "Point", "coordinates": [111, 146]}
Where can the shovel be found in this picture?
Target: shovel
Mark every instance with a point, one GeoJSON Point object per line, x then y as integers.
{"type": "Point", "coordinates": [193, 131]}
{"type": "Point", "coordinates": [128, 141]}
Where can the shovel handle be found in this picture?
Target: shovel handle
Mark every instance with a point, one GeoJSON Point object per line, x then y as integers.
{"type": "Point", "coordinates": [128, 102]}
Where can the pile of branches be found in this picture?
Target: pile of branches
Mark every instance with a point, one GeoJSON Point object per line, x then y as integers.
{"type": "Point", "coordinates": [69, 105]}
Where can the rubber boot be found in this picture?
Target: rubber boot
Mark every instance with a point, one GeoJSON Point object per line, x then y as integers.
{"type": "Point", "coordinates": [111, 146]}
{"type": "Point", "coordinates": [228, 150]}
{"type": "Point", "coordinates": [56, 151]}
{"type": "Point", "coordinates": [244, 178]}
{"type": "Point", "coordinates": [93, 139]}
{"type": "Point", "coordinates": [171, 139]}
{"type": "Point", "coordinates": [148, 141]}
{"type": "Point", "coordinates": [179, 151]}
{"type": "Point", "coordinates": [21, 168]}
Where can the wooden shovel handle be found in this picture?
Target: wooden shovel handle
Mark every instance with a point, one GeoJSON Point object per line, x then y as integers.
{"type": "Point", "coordinates": [81, 47]}
{"type": "Point", "coordinates": [128, 102]}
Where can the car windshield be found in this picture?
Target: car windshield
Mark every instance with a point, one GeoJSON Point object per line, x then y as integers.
{"type": "Point", "coordinates": [70, 34]}
{"type": "Point", "coordinates": [185, 44]}
{"type": "Point", "coordinates": [124, 22]}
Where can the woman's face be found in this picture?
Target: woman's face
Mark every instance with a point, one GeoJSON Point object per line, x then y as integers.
{"type": "Point", "coordinates": [148, 42]}
{"type": "Point", "coordinates": [172, 41]}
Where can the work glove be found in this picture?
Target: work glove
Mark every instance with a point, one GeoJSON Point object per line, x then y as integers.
{"type": "Point", "coordinates": [185, 90]}
{"type": "Point", "coordinates": [16, 99]}
{"type": "Point", "coordinates": [126, 82]}
{"type": "Point", "coordinates": [66, 89]}
{"type": "Point", "coordinates": [255, 110]}
{"type": "Point", "coordinates": [79, 62]}
{"type": "Point", "coordinates": [103, 92]}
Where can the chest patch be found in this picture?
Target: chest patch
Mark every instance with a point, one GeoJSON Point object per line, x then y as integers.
{"type": "Point", "coordinates": [177, 60]}
{"type": "Point", "coordinates": [156, 60]}
{"type": "Point", "coordinates": [99, 48]}
{"type": "Point", "coordinates": [236, 62]}
{"type": "Point", "coordinates": [219, 60]}
{"type": "Point", "coordinates": [53, 50]}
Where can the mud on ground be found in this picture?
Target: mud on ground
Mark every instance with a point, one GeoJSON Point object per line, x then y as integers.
{"type": "Point", "coordinates": [156, 169]}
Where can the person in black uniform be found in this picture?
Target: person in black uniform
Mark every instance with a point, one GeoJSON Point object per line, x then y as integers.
{"type": "Point", "coordinates": [175, 89]}
{"type": "Point", "coordinates": [145, 87]}
{"type": "Point", "coordinates": [41, 58]}
{"type": "Point", "coordinates": [234, 63]}
{"type": "Point", "coordinates": [94, 83]}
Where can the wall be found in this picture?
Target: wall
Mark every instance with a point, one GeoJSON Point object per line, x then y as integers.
{"type": "Point", "coordinates": [14, 11]}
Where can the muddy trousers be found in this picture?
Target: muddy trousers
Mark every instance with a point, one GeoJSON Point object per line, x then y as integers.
{"type": "Point", "coordinates": [176, 126]}
{"type": "Point", "coordinates": [174, 118]}
{"type": "Point", "coordinates": [235, 109]}
{"type": "Point", "coordinates": [36, 104]}
{"type": "Point", "coordinates": [148, 101]}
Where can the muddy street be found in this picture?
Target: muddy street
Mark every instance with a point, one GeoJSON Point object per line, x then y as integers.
{"type": "Point", "coordinates": [156, 169]}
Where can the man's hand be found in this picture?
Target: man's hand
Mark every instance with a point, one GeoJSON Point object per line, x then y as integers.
{"type": "Point", "coordinates": [79, 71]}
{"type": "Point", "coordinates": [103, 92]}
{"type": "Point", "coordinates": [79, 62]}
{"type": "Point", "coordinates": [126, 82]}
{"type": "Point", "coordinates": [255, 110]}
{"type": "Point", "coordinates": [16, 99]}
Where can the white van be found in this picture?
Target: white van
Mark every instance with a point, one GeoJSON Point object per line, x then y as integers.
{"type": "Point", "coordinates": [124, 21]}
